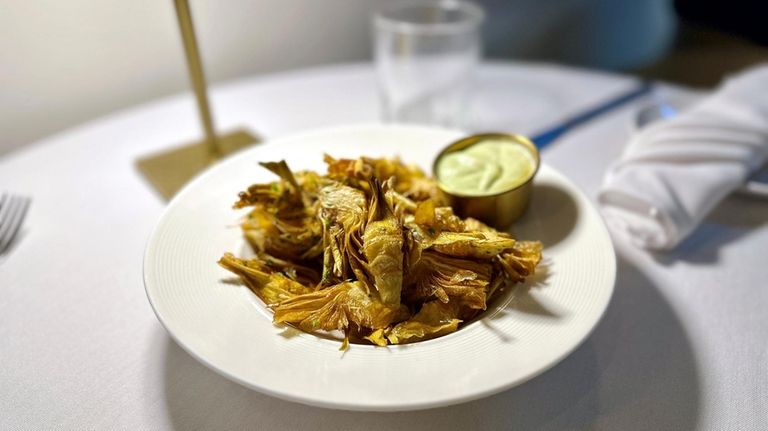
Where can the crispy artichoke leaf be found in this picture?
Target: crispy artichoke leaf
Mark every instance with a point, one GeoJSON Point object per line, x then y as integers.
{"type": "Point", "coordinates": [482, 245]}
{"type": "Point", "coordinates": [410, 181]}
{"type": "Point", "coordinates": [272, 288]}
{"type": "Point", "coordinates": [277, 195]}
{"type": "Point", "coordinates": [475, 225]}
{"type": "Point", "coordinates": [438, 228]}
{"type": "Point", "coordinates": [344, 170]}
{"type": "Point", "coordinates": [334, 308]}
{"type": "Point", "coordinates": [436, 218]}
{"type": "Point", "coordinates": [282, 170]}
{"type": "Point", "coordinates": [521, 260]}
{"type": "Point", "coordinates": [425, 213]}
{"type": "Point", "coordinates": [284, 220]}
{"type": "Point", "coordinates": [402, 204]}
{"type": "Point", "coordinates": [344, 205]}
{"type": "Point", "coordinates": [383, 247]}
{"type": "Point", "coordinates": [460, 281]}
{"type": "Point", "coordinates": [378, 337]}
{"type": "Point", "coordinates": [333, 261]}
{"type": "Point", "coordinates": [345, 211]}
{"type": "Point", "coordinates": [300, 272]}
{"type": "Point", "coordinates": [266, 194]}
{"type": "Point", "coordinates": [435, 319]}
{"type": "Point", "coordinates": [446, 220]}
{"type": "Point", "coordinates": [299, 239]}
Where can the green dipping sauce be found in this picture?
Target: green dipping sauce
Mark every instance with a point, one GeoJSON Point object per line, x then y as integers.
{"type": "Point", "coordinates": [488, 167]}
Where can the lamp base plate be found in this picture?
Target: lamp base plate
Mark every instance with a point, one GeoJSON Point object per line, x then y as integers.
{"type": "Point", "coordinates": [169, 170]}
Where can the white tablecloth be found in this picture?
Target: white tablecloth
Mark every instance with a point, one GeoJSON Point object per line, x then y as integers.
{"type": "Point", "coordinates": [684, 344]}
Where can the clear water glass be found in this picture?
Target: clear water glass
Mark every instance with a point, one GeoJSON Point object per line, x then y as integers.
{"type": "Point", "coordinates": [426, 52]}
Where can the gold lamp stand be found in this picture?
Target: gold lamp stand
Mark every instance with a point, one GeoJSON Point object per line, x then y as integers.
{"type": "Point", "coordinates": [168, 171]}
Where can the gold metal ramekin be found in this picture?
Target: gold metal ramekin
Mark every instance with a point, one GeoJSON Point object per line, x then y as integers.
{"type": "Point", "coordinates": [501, 209]}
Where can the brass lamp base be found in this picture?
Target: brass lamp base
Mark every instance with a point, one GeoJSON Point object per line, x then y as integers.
{"type": "Point", "coordinates": [168, 171]}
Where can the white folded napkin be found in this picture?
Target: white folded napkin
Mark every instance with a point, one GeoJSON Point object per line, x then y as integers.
{"type": "Point", "coordinates": [674, 172]}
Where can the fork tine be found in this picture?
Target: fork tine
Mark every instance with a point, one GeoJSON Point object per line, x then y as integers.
{"type": "Point", "coordinates": [7, 215]}
{"type": "Point", "coordinates": [3, 207]}
{"type": "Point", "coordinates": [13, 212]}
{"type": "Point", "coordinates": [15, 209]}
{"type": "Point", "coordinates": [5, 212]}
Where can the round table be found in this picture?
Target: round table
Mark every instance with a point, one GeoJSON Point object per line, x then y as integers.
{"type": "Point", "coordinates": [682, 345]}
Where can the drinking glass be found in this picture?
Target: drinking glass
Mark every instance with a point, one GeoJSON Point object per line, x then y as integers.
{"type": "Point", "coordinates": [425, 53]}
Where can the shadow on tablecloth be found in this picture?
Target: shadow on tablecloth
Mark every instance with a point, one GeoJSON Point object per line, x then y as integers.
{"type": "Point", "coordinates": [636, 371]}
{"type": "Point", "coordinates": [735, 217]}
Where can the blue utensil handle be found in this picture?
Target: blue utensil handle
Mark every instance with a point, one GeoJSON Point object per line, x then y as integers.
{"type": "Point", "coordinates": [548, 136]}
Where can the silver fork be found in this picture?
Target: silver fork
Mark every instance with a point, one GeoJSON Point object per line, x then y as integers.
{"type": "Point", "coordinates": [13, 209]}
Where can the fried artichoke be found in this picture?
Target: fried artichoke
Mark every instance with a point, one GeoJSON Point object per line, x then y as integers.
{"type": "Point", "coordinates": [371, 249]}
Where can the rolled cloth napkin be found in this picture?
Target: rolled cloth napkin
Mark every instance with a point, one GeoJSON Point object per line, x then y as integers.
{"type": "Point", "coordinates": [674, 172]}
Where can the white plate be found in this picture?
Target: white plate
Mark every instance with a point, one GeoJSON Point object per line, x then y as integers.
{"type": "Point", "coordinates": [225, 326]}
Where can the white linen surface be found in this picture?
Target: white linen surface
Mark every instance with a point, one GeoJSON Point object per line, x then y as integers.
{"type": "Point", "coordinates": [681, 346]}
{"type": "Point", "coordinates": [673, 173]}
